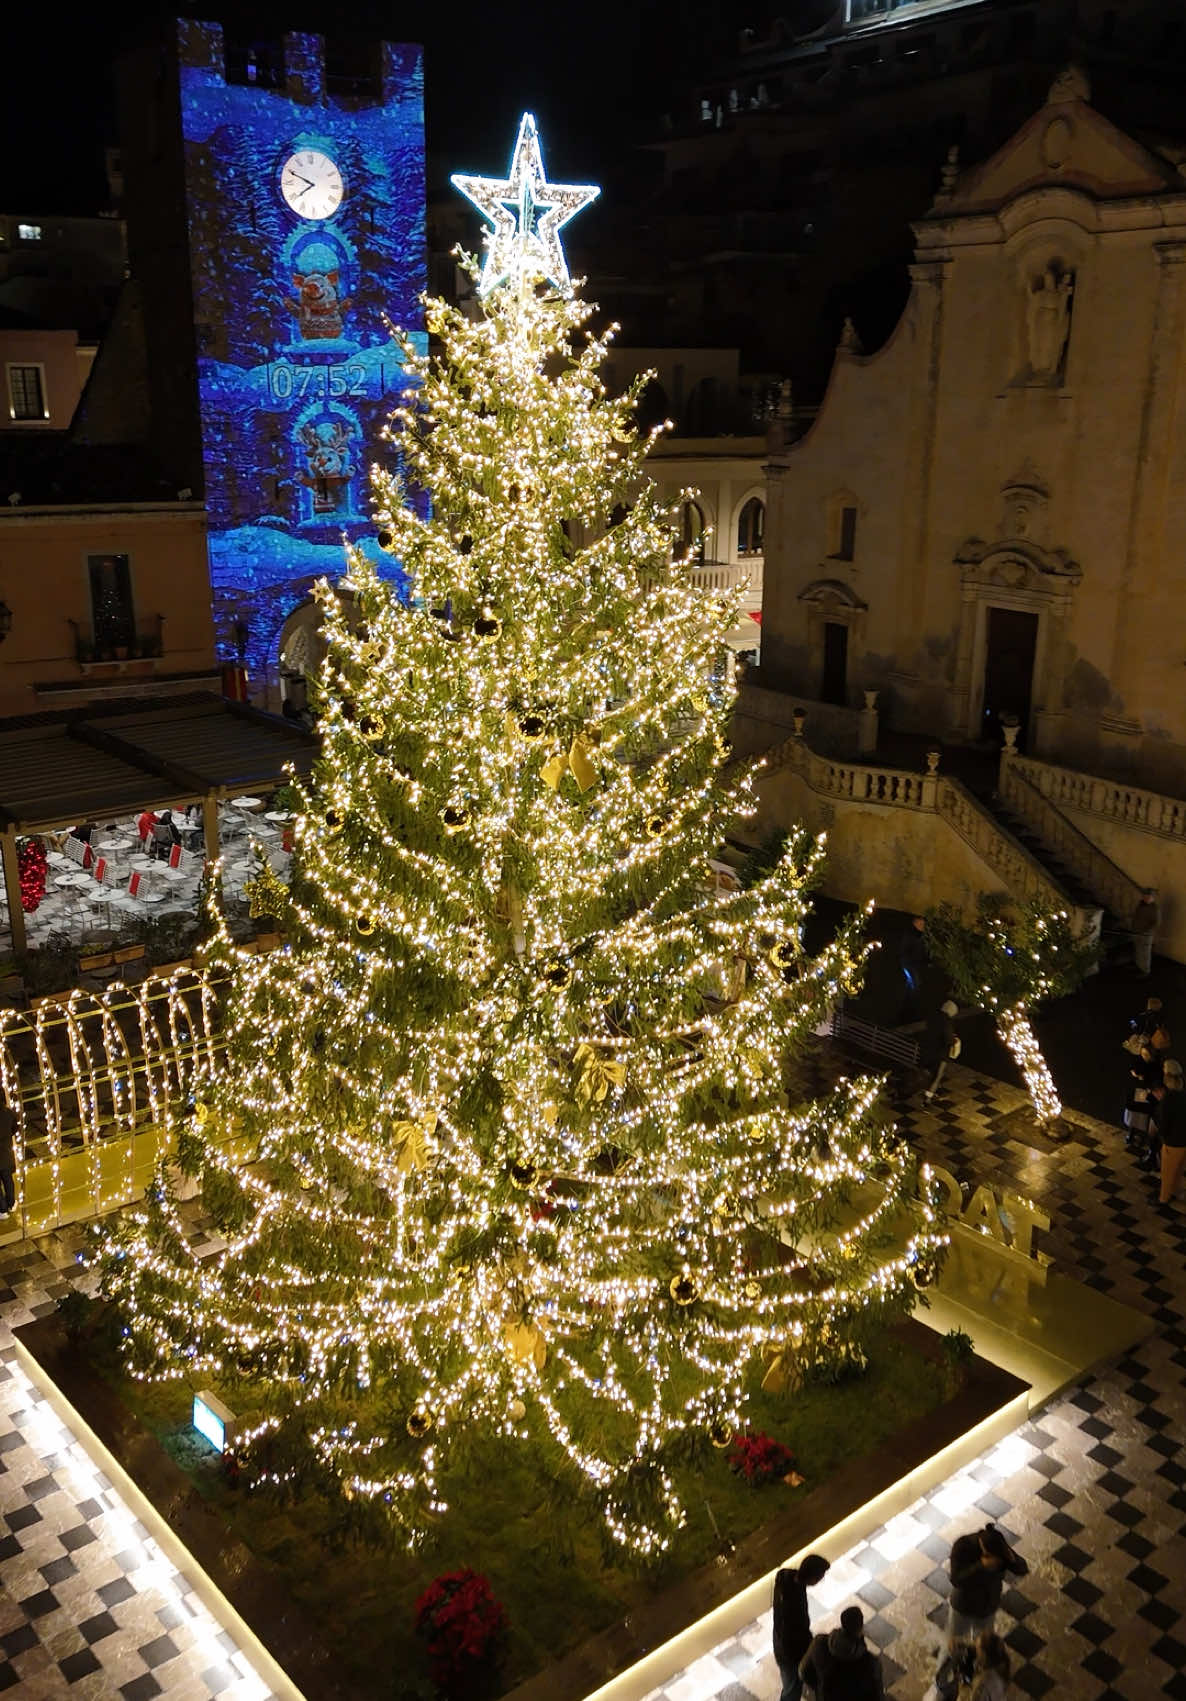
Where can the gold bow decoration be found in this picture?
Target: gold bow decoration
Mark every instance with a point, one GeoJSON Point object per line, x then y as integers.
{"type": "Point", "coordinates": [598, 1073]}
{"type": "Point", "coordinates": [525, 1344]}
{"type": "Point", "coordinates": [266, 895]}
{"type": "Point", "coordinates": [577, 762]}
{"type": "Point", "coordinates": [413, 1142]}
{"type": "Point", "coordinates": [783, 1375]}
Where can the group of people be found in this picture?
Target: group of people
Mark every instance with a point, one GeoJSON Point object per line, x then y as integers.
{"type": "Point", "coordinates": [1155, 1104]}
{"type": "Point", "coordinates": [840, 1665]}
{"type": "Point", "coordinates": [159, 833]}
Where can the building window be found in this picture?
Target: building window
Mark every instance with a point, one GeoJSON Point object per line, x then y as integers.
{"type": "Point", "coordinates": [845, 538]}
{"type": "Point", "coordinates": [692, 533]}
{"type": "Point", "coordinates": [112, 616]}
{"type": "Point", "coordinates": [28, 232]}
{"type": "Point", "coordinates": [26, 392]}
{"type": "Point", "coordinates": [751, 525]}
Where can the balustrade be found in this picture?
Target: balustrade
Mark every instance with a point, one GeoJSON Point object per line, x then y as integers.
{"type": "Point", "coordinates": [1043, 813]}
{"type": "Point", "coordinates": [1112, 799]}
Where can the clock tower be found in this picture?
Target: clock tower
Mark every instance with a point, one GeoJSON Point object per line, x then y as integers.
{"type": "Point", "coordinates": [275, 199]}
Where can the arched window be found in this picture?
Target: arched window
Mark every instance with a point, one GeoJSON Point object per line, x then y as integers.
{"type": "Point", "coordinates": [751, 527]}
{"type": "Point", "coordinates": [692, 532]}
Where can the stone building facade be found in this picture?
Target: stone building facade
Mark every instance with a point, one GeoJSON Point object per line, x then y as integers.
{"type": "Point", "coordinates": [987, 520]}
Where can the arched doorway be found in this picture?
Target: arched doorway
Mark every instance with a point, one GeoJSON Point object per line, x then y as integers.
{"type": "Point", "coordinates": [300, 652]}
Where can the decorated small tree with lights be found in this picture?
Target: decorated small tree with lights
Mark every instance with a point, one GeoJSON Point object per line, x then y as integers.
{"type": "Point", "coordinates": [1015, 957]}
{"type": "Point", "coordinates": [526, 1165]}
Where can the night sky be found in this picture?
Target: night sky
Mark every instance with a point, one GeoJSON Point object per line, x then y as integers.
{"type": "Point", "coordinates": [592, 74]}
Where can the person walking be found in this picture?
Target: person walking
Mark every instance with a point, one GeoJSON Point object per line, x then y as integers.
{"type": "Point", "coordinates": [979, 1565]}
{"type": "Point", "coordinates": [8, 1129]}
{"type": "Point", "coordinates": [1170, 1122]}
{"type": "Point", "coordinates": [841, 1666]}
{"type": "Point", "coordinates": [1141, 929]}
{"type": "Point", "coordinates": [940, 1045]}
{"type": "Point", "coordinates": [792, 1619]}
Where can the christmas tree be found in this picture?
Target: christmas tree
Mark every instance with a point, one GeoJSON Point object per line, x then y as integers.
{"type": "Point", "coordinates": [1014, 957]}
{"type": "Point", "coordinates": [526, 1161]}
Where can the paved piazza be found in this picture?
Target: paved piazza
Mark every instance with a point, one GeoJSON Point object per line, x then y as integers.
{"type": "Point", "coordinates": [1092, 1490]}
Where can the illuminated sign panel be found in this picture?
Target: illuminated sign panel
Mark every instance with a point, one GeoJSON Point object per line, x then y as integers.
{"type": "Point", "coordinates": [214, 1420]}
{"type": "Point", "coordinates": [306, 235]}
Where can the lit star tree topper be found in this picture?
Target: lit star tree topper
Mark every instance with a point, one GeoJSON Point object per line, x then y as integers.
{"type": "Point", "coordinates": [527, 214]}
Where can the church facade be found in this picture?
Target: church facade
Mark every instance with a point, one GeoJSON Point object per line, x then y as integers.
{"type": "Point", "coordinates": [986, 522]}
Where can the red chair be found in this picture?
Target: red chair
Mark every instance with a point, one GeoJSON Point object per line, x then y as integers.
{"type": "Point", "coordinates": [175, 857]}
{"type": "Point", "coordinates": [100, 870]}
{"type": "Point", "coordinates": [88, 857]}
{"type": "Point", "coordinates": [134, 885]}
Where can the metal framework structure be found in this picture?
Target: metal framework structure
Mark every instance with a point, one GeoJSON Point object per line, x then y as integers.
{"type": "Point", "coordinates": [92, 1078]}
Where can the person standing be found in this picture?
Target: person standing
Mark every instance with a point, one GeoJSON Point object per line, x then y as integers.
{"type": "Point", "coordinates": [912, 960]}
{"type": "Point", "coordinates": [792, 1619]}
{"type": "Point", "coordinates": [1170, 1121]}
{"type": "Point", "coordinates": [841, 1666]}
{"type": "Point", "coordinates": [8, 1129]}
{"type": "Point", "coordinates": [993, 1669]}
{"type": "Point", "coordinates": [1147, 1023]}
{"type": "Point", "coordinates": [1142, 928]}
{"type": "Point", "coordinates": [979, 1566]}
{"type": "Point", "coordinates": [940, 1044]}
{"type": "Point", "coordinates": [1144, 1074]}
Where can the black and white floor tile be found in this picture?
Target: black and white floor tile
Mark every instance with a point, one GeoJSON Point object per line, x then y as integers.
{"type": "Point", "coordinates": [1092, 1491]}
{"type": "Point", "coordinates": [89, 1605]}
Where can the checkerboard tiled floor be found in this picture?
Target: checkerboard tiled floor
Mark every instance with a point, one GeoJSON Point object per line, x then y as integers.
{"type": "Point", "coordinates": [89, 1605]}
{"type": "Point", "coordinates": [1093, 1492]}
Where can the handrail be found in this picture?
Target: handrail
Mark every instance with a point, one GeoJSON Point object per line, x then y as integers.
{"type": "Point", "coordinates": [1019, 870]}
{"type": "Point", "coordinates": [1102, 877]}
{"type": "Point", "coordinates": [1022, 873]}
{"type": "Point", "coordinates": [1115, 800]}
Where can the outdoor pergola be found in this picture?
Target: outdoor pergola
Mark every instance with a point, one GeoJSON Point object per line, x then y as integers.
{"type": "Point", "coordinates": [62, 768]}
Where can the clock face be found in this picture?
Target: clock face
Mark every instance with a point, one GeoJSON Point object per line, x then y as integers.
{"type": "Point", "coordinates": [311, 184]}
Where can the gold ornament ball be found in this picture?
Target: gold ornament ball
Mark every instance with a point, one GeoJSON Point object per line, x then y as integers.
{"type": "Point", "coordinates": [683, 1290]}
{"type": "Point", "coordinates": [455, 817]}
{"type": "Point", "coordinates": [753, 1290]}
{"type": "Point", "coordinates": [385, 540]}
{"type": "Point", "coordinates": [523, 1176]}
{"type": "Point", "coordinates": [532, 728]}
{"type": "Point", "coordinates": [558, 975]}
{"type": "Point", "coordinates": [418, 1425]}
{"type": "Point", "coordinates": [783, 954]}
{"type": "Point", "coordinates": [516, 1411]}
{"type": "Point", "coordinates": [371, 729]}
{"type": "Point", "coordinates": [334, 820]}
{"type": "Point", "coordinates": [720, 1434]}
{"type": "Point", "coordinates": [655, 825]}
{"type": "Point", "coordinates": [365, 924]}
{"type": "Point", "coordinates": [487, 626]}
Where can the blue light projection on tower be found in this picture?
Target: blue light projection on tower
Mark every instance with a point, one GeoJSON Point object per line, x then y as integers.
{"type": "Point", "coordinates": [306, 236]}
